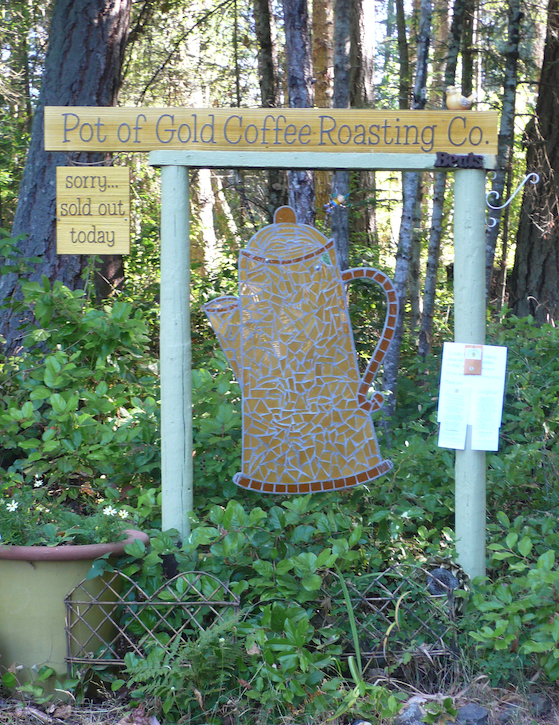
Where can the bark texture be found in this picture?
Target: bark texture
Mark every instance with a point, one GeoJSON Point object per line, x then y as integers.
{"type": "Point", "coordinates": [411, 182]}
{"type": "Point", "coordinates": [440, 51]}
{"type": "Point", "coordinates": [414, 271]}
{"type": "Point", "coordinates": [430, 287]}
{"type": "Point", "coordinates": [299, 85]}
{"type": "Point", "coordinates": [506, 135]}
{"type": "Point", "coordinates": [323, 64]}
{"type": "Point", "coordinates": [362, 65]}
{"type": "Point", "coordinates": [403, 56]}
{"type": "Point", "coordinates": [362, 90]}
{"type": "Point", "coordinates": [269, 92]}
{"type": "Point", "coordinates": [535, 276]}
{"type": "Point", "coordinates": [339, 218]}
{"type": "Point", "coordinates": [468, 47]}
{"type": "Point", "coordinates": [82, 68]}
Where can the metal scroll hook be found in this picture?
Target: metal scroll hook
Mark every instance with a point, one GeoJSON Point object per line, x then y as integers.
{"type": "Point", "coordinates": [533, 178]}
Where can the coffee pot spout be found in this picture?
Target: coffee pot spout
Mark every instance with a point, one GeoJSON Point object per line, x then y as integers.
{"type": "Point", "coordinates": [225, 318]}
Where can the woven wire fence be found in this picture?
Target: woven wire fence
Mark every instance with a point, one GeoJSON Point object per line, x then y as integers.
{"type": "Point", "coordinates": [117, 616]}
{"type": "Point", "coordinates": [405, 622]}
{"type": "Point", "coordinates": [405, 619]}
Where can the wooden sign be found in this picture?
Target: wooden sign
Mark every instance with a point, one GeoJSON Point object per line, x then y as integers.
{"type": "Point", "coordinates": [92, 210]}
{"type": "Point", "coordinates": [319, 130]}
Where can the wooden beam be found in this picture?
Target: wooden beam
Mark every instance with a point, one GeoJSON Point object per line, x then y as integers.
{"type": "Point", "coordinates": [303, 160]}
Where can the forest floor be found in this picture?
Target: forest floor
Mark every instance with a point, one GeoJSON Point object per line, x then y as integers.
{"type": "Point", "coordinates": [504, 706]}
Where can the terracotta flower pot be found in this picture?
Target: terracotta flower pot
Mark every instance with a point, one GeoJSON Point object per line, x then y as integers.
{"type": "Point", "coordinates": [34, 581]}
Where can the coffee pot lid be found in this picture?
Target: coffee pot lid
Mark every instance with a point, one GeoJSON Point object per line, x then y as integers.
{"type": "Point", "coordinates": [285, 239]}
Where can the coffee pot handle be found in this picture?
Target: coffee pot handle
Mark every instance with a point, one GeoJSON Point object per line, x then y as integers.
{"type": "Point", "coordinates": [376, 401]}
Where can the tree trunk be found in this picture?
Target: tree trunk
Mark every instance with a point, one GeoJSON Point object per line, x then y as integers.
{"type": "Point", "coordinates": [269, 93]}
{"type": "Point", "coordinates": [410, 185]}
{"type": "Point", "coordinates": [430, 287]}
{"type": "Point", "coordinates": [339, 218]}
{"type": "Point", "coordinates": [454, 41]}
{"type": "Point", "coordinates": [213, 253]}
{"type": "Point", "coordinates": [440, 52]}
{"type": "Point", "coordinates": [506, 136]}
{"type": "Point", "coordinates": [410, 190]}
{"type": "Point", "coordinates": [535, 275]}
{"type": "Point", "coordinates": [82, 68]}
{"type": "Point", "coordinates": [323, 64]}
{"type": "Point", "coordinates": [299, 86]}
{"type": "Point", "coordinates": [362, 65]}
{"type": "Point", "coordinates": [414, 272]}
{"type": "Point", "coordinates": [503, 265]}
{"type": "Point", "coordinates": [232, 230]}
{"type": "Point", "coordinates": [467, 48]}
{"type": "Point", "coordinates": [404, 81]}
{"type": "Point", "coordinates": [362, 90]}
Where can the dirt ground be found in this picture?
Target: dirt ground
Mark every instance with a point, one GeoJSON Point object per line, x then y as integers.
{"type": "Point", "coordinates": [505, 707]}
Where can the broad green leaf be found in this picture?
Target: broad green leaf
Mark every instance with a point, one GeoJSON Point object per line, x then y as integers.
{"type": "Point", "coordinates": [525, 545]}
{"type": "Point", "coordinates": [40, 393]}
{"type": "Point", "coordinates": [546, 560]}
{"type": "Point", "coordinates": [312, 583]}
{"type": "Point", "coordinates": [58, 403]}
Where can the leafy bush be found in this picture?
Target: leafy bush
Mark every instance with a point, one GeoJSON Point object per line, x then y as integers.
{"type": "Point", "coordinates": [36, 517]}
{"type": "Point", "coordinates": [78, 406]}
{"type": "Point", "coordinates": [194, 676]}
{"type": "Point", "coordinates": [517, 613]}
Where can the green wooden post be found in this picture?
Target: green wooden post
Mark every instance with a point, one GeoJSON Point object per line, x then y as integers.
{"type": "Point", "coordinates": [176, 352]}
{"type": "Point", "coordinates": [469, 326]}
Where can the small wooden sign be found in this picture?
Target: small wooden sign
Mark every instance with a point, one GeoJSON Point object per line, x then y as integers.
{"type": "Point", "coordinates": [287, 129]}
{"type": "Point", "coordinates": [92, 210]}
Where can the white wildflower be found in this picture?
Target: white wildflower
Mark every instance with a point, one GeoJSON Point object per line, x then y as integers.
{"type": "Point", "coordinates": [110, 511]}
{"type": "Point", "coordinates": [123, 514]}
{"type": "Point", "coordinates": [38, 482]}
{"type": "Point", "coordinates": [12, 506]}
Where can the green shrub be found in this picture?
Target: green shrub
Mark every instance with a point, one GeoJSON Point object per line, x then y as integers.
{"type": "Point", "coordinates": [78, 405]}
{"type": "Point", "coordinates": [517, 622]}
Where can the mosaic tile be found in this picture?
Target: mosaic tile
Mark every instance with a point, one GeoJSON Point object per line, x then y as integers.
{"type": "Point", "coordinates": [306, 412]}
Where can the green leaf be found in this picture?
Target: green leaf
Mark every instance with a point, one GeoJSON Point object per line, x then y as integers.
{"type": "Point", "coordinates": [44, 673]}
{"type": "Point", "coordinates": [264, 568]}
{"type": "Point", "coordinates": [355, 535]}
{"type": "Point", "coordinates": [40, 393]}
{"type": "Point", "coordinates": [325, 559]}
{"type": "Point", "coordinates": [532, 646]}
{"type": "Point", "coordinates": [27, 409]}
{"type": "Point", "coordinates": [58, 403]}
{"type": "Point", "coordinates": [9, 679]}
{"type": "Point", "coordinates": [339, 547]}
{"type": "Point", "coordinates": [302, 534]}
{"type": "Point", "coordinates": [525, 545]}
{"type": "Point", "coordinates": [276, 517]}
{"type": "Point", "coordinates": [137, 549]}
{"type": "Point", "coordinates": [234, 516]}
{"type": "Point", "coordinates": [278, 617]}
{"type": "Point", "coordinates": [546, 560]}
{"type": "Point", "coordinates": [284, 566]}
{"type": "Point", "coordinates": [503, 519]}
{"type": "Point", "coordinates": [304, 564]}
{"type": "Point", "coordinates": [312, 583]}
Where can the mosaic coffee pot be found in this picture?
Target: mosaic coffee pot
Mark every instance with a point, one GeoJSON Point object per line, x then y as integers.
{"type": "Point", "coordinates": [306, 412]}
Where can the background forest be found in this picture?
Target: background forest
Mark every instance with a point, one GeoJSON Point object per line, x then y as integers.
{"type": "Point", "coordinates": [79, 384]}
